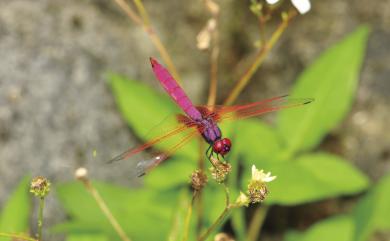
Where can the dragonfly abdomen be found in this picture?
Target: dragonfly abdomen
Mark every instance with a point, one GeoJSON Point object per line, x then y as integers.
{"type": "Point", "coordinates": [174, 90]}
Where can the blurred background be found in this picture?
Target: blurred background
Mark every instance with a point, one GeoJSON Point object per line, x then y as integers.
{"type": "Point", "coordinates": [56, 106]}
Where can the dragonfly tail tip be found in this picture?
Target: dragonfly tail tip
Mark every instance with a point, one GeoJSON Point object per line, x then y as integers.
{"type": "Point", "coordinates": [153, 61]}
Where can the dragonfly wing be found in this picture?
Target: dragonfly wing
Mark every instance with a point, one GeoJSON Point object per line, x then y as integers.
{"type": "Point", "coordinates": [166, 131]}
{"type": "Point", "coordinates": [258, 108]}
{"type": "Point", "coordinates": [146, 165]}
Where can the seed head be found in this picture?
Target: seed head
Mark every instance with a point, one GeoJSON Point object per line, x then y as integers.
{"type": "Point", "coordinates": [40, 186]}
{"type": "Point", "coordinates": [198, 179]}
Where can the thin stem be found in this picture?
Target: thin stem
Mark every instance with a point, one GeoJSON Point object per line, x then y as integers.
{"type": "Point", "coordinates": [188, 217]}
{"type": "Point", "coordinates": [106, 211]}
{"type": "Point", "coordinates": [144, 22]}
{"type": "Point", "coordinates": [142, 11]}
{"type": "Point", "coordinates": [199, 200]}
{"type": "Point", "coordinates": [221, 217]}
{"type": "Point", "coordinates": [214, 55]}
{"type": "Point", "coordinates": [259, 59]}
{"type": "Point", "coordinates": [256, 223]}
{"type": "Point", "coordinates": [199, 207]}
{"type": "Point", "coordinates": [213, 75]}
{"type": "Point", "coordinates": [17, 236]}
{"type": "Point", "coordinates": [40, 217]}
{"type": "Point", "coordinates": [215, 224]}
{"type": "Point", "coordinates": [130, 13]}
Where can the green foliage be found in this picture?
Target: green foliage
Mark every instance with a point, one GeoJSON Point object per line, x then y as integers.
{"type": "Point", "coordinates": [314, 177]}
{"type": "Point", "coordinates": [332, 80]}
{"type": "Point", "coordinates": [18, 203]}
{"type": "Point", "coordinates": [373, 211]}
{"type": "Point", "coordinates": [338, 228]}
{"type": "Point", "coordinates": [285, 150]}
{"type": "Point", "coordinates": [371, 214]}
{"type": "Point", "coordinates": [136, 210]}
{"type": "Point", "coordinates": [87, 237]}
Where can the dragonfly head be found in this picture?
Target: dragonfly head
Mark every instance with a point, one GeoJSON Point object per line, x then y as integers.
{"type": "Point", "coordinates": [222, 146]}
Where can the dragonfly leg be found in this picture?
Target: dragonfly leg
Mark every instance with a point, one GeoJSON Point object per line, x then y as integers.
{"type": "Point", "coordinates": [207, 152]}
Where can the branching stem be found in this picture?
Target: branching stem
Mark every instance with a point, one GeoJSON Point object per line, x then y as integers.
{"type": "Point", "coordinates": [259, 59]}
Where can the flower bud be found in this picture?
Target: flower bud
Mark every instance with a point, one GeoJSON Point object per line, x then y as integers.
{"type": "Point", "coordinates": [40, 186]}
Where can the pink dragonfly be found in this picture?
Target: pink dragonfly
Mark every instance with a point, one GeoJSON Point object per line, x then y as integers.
{"type": "Point", "coordinates": [200, 120]}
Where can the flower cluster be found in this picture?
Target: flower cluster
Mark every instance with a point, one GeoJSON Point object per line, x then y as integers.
{"type": "Point", "coordinates": [220, 170]}
{"type": "Point", "coordinates": [257, 188]}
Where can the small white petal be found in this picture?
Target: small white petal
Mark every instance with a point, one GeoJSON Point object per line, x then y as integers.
{"type": "Point", "coordinates": [303, 6]}
{"type": "Point", "coordinates": [269, 179]}
{"type": "Point", "coordinates": [272, 1]}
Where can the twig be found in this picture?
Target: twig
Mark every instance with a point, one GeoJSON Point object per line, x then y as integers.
{"type": "Point", "coordinates": [103, 206]}
{"type": "Point", "coordinates": [256, 223]}
{"type": "Point", "coordinates": [144, 22]}
{"type": "Point", "coordinates": [259, 59]}
{"type": "Point", "coordinates": [17, 236]}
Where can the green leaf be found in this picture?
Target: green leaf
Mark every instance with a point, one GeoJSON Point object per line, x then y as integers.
{"type": "Point", "coordinates": [149, 113]}
{"type": "Point", "coordinates": [162, 178]}
{"type": "Point", "coordinates": [14, 217]}
{"type": "Point", "coordinates": [373, 211]}
{"type": "Point", "coordinates": [86, 237]}
{"type": "Point", "coordinates": [339, 228]}
{"type": "Point", "coordinates": [255, 140]}
{"type": "Point", "coordinates": [332, 80]}
{"type": "Point", "coordinates": [135, 210]}
{"type": "Point", "coordinates": [313, 177]}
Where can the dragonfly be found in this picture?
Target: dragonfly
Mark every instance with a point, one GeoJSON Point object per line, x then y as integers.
{"type": "Point", "coordinates": [199, 121]}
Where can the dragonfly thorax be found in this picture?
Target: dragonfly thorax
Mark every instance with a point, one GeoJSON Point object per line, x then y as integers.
{"type": "Point", "coordinates": [209, 129]}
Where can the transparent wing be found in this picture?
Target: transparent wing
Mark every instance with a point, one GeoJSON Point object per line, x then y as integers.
{"type": "Point", "coordinates": [225, 113]}
{"type": "Point", "coordinates": [146, 165]}
{"type": "Point", "coordinates": [162, 135]}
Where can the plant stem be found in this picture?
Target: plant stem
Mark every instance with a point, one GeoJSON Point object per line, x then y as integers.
{"type": "Point", "coordinates": [40, 217]}
{"type": "Point", "coordinates": [17, 236]}
{"type": "Point", "coordinates": [221, 217]}
{"type": "Point", "coordinates": [188, 217]}
{"type": "Point", "coordinates": [142, 11]}
{"type": "Point", "coordinates": [106, 211]}
{"type": "Point", "coordinates": [213, 74]}
{"type": "Point", "coordinates": [256, 223]}
{"type": "Point", "coordinates": [214, 55]}
{"type": "Point", "coordinates": [144, 22]}
{"type": "Point", "coordinates": [215, 224]}
{"type": "Point", "coordinates": [259, 59]}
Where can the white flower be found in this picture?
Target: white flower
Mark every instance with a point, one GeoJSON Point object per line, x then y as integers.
{"type": "Point", "coordinates": [303, 6]}
{"type": "Point", "coordinates": [259, 175]}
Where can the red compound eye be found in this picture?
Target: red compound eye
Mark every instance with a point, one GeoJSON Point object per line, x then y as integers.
{"type": "Point", "coordinates": [222, 146]}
